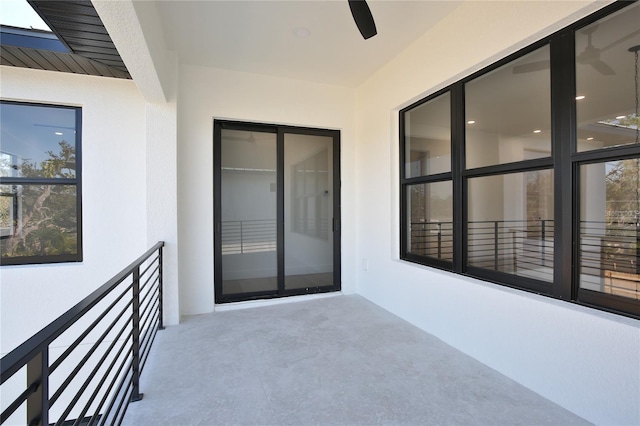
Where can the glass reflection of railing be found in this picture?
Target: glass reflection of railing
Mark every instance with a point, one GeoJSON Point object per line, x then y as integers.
{"type": "Point", "coordinates": [609, 257]}
{"type": "Point", "coordinates": [248, 236]}
{"type": "Point", "coordinates": [520, 247]}
{"type": "Point", "coordinates": [609, 252]}
{"type": "Point", "coordinates": [523, 247]}
{"type": "Point", "coordinates": [432, 239]}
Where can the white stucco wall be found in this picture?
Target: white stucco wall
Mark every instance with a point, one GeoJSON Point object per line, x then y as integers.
{"type": "Point", "coordinates": [205, 94]}
{"type": "Point", "coordinates": [114, 198]}
{"type": "Point", "coordinates": [585, 360]}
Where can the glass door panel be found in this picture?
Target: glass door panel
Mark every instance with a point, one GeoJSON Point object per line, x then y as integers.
{"type": "Point", "coordinates": [308, 211]}
{"type": "Point", "coordinates": [248, 230]}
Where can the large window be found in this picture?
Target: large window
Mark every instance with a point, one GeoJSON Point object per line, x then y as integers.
{"type": "Point", "coordinates": [428, 219]}
{"type": "Point", "coordinates": [527, 173]}
{"type": "Point", "coordinates": [40, 217]}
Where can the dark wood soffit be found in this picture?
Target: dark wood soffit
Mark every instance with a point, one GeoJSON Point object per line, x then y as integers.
{"type": "Point", "coordinates": [80, 29]}
{"type": "Point", "coordinates": [56, 61]}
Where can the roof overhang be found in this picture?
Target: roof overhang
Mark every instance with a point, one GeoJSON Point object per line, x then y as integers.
{"type": "Point", "coordinates": [79, 43]}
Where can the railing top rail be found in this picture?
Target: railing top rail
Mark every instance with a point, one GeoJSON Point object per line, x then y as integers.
{"type": "Point", "coordinates": [18, 357]}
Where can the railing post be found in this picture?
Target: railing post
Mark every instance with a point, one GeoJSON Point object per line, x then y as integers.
{"type": "Point", "coordinates": [495, 245]}
{"type": "Point", "coordinates": [38, 402]}
{"type": "Point", "coordinates": [160, 293]}
{"type": "Point", "coordinates": [544, 242]}
{"type": "Point", "coordinates": [637, 243]}
{"type": "Point", "coordinates": [439, 240]}
{"type": "Point", "coordinates": [135, 379]}
{"type": "Point", "coordinates": [515, 251]}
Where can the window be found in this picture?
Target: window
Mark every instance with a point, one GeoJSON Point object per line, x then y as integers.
{"type": "Point", "coordinates": [428, 192]}
{"type": "Point", "coordinates": [40, 213]}
{"type": "Point", "coordinates": [527, 173]}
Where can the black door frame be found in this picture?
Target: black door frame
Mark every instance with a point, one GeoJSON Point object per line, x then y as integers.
{"type": "Point", "coordinates": [279, 131]}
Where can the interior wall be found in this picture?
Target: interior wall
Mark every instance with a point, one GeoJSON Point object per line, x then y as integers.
{"type": "Point", "coordinates": [207, 93]}
{"type": "Point", "coordinates": [583, 359]}
{"type": "Point", "coordinates": [114, 220]}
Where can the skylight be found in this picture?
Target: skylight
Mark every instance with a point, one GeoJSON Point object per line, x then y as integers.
{"type": "Point", "coordinates": [19, 13]}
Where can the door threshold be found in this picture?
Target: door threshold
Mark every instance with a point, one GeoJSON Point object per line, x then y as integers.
{"type": "Point", "coordinates": [233, 306]}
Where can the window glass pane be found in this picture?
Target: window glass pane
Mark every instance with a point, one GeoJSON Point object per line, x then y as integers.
{"type": "Point", "coordinates": [248, 211]}
{"type": "Point", "coordinates": [606, 79]}
{"type": "Point", "coordinates": [511, 225]}
{"type": "Point", "coordinates": [610, 227]}
{"type": "Point", "coordinates": [308, 236]}
{"type": "Point", "coordinates": [38, 220]}
{"type": "Point", "coordinates": [508, 112]}
{"type": "Point", "coordinates": [428, 138]}
{"type": "Point", "coordinates": [430, 218]}
{"type": "Point", "coordinates": [37, 141]}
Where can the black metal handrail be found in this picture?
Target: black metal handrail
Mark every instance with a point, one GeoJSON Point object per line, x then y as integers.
{"type": "Point", "coordinates": [93, 380]}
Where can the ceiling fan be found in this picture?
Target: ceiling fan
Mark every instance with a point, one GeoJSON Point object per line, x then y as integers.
{"type": "Point", "coordinates": [589, 56]}
{"type": "Point", "coordinates": [363, 18]}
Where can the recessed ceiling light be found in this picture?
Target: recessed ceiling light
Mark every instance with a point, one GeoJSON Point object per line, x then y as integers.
{"type": "Point", "coordinates": [59, 133]}
{"type": "Point", "coordinates": [580, 97]}
{"type": "Point", "coordinates": [620, 117]}
{"type": "Point", "coordinates": [471, 122]}
{"type": "Point", "coordinates": [301, 32]}
{"type": "Point", "coordinates": [589, 139]}
{"type": "Point", "coordinates": [537, 131]}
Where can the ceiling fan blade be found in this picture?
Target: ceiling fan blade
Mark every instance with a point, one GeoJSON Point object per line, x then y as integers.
{"type": "Point", "coordinates": [602, 67]}
{"type": "Point", "coordinates": [363, 18]}
{"type": "Point", "coordinates": [620, 40]}
{"type": "Point", "coordinates": [530, 67]}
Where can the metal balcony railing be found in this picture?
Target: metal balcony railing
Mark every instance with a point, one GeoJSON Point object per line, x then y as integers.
{"type": "Point", "coordinates": [84, 367]}
{"type": "Point", "coordinates": [609, 251]}
{"type": "Point", "coordinates": [609, 254]}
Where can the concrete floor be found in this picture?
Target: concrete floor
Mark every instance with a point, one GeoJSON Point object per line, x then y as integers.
{"type": "Point", "coordinates": [334, 361]}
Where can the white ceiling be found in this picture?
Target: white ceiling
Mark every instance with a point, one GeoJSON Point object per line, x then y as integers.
{"type": "Point", "coordinates": [258, 36]}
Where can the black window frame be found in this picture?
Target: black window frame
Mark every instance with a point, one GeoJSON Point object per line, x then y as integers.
{"type": "Point", "coordinates": [280, 130]}
{"type": "Point", "coordinates": [564, 161]}
{"type": "Point", "coordinates": [76, 182]}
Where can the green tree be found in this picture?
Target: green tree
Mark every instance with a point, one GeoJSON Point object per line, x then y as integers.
{"type": "Point", "coordinates": [44, 216]}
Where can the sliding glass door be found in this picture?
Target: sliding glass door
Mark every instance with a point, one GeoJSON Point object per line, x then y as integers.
{"type": "Point", "coordinates": [276, 208]}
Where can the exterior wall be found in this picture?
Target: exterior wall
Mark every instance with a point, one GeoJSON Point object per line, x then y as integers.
{"type": "Point", "coordinates": [207, 93]}
{"type": "Point", "coordinates": [162, 193]}
{"type": "Point", "coordinates": [114, 198]}
{"type": "Point", "coordinates": [585, 360]}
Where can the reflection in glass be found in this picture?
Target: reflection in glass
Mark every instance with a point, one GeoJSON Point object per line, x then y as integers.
{"type": "Point", "coordinates": [248, 206]}
{"type": "Point", "coordinates": [37, 141]}
{"type": "Point", "coordinates": [508, 112]}
{"type": "Point", "coordinates": [511, 227]}
{"type": "Point", "coordinates": [605, 80]}
{"type": "Point", "coordinates": [428, 138]}
{"type": "Point", "coordinates": [308, 240]}
{"type": "Point", "coordinates": [610, 227]}
{"type": "Point", "coordinates": [38, 220]}
{"type": "Point", "coordinates": [430, 219]}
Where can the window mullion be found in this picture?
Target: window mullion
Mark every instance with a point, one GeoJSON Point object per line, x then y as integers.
{"type": "Point", "coordinates": [457, 167]}
{"type": "Point", "coordinates": [563, 123]}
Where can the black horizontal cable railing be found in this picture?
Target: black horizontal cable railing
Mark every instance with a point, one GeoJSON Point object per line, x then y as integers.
{"type": "Point", "coordinates": [432, 239]}
{"type": "Point", "coordinates": [248, 236]}
{"type": "Point", "coordinates": [609, 251]}
{"type": "Point", "coordinates": [610, 254]}
{"type": "Point", "coordinates": [84, 368]}
{"type": "Point", "coordinates": [520, 247]}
